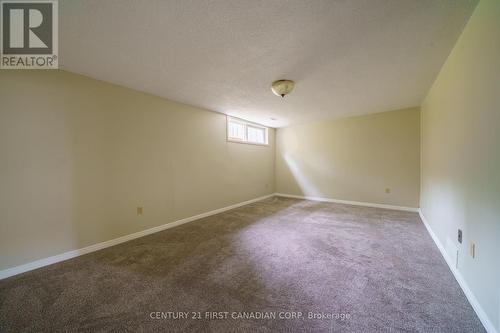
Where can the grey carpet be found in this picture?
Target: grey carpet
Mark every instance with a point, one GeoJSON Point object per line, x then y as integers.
{"type": "Point", "coordinates": [372, 270]}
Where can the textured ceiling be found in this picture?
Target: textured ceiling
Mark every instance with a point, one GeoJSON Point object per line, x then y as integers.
{"type": "Point", "coordinates": [348, 57]}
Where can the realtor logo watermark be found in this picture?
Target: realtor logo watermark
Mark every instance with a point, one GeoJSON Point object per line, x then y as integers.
{"type": "Point", "coordinates": [29, 32]}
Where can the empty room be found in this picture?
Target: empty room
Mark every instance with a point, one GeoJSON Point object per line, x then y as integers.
{"type": "Point", "coordinates": [250, 166]}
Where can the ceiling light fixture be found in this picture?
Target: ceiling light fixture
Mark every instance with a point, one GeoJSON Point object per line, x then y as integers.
{"type": "Point", "coordinates": [282, 87]}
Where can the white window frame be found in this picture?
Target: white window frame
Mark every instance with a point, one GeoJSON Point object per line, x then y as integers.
{"type": "Point", "coordinates": [246, 124]}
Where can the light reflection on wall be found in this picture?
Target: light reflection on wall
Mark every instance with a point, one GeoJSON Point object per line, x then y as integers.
{"type": "Point", "coordinates": [306, 186]}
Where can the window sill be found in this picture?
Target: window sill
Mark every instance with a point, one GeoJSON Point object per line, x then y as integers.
{"type": "Point", "coordinates": [248, 143]}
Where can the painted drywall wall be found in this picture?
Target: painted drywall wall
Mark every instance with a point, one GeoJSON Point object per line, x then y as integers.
{"type": "Point", "coordinates": [461, 155]}
{"type": "Point", "coordinates": [353, 158]}
{"type": "Point", "coordinates": [79, 155]}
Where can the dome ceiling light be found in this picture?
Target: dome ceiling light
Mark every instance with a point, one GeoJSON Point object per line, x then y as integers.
{"type": "Point", "coordinates": [282, 87]}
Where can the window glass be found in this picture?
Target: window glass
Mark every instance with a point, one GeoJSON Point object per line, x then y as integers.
{"type": "Point", "coordinates": [236, 131]}
{"type": "Point", "coordinates": [245, 132]}
{"type": "Point", "coordinates": [255, 134]}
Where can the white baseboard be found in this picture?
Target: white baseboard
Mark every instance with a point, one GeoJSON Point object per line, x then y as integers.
{"type": "Point", "coordinates": [483, 317]}
{"type": "Point", "coordinates": [95, 247]}
{"type": "Point", "coordinates": [347, 202]}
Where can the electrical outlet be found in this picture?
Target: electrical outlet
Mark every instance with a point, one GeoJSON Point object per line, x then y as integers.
{"type": "Point", "coordinates": [472, 250]}
{"type": "Point", "coordinates": [140, 211]}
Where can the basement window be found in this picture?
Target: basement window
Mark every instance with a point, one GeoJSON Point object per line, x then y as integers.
{"type": "Point", "coordinates": [242, 131]}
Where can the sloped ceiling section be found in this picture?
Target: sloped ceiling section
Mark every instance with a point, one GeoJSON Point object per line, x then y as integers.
{"type": "Point", "coordinates": [347, 57]}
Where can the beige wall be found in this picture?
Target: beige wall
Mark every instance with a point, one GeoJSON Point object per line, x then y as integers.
{"type": "Point", "coordinates": [461, 155]}
{"type": "Point", "coordinates": [79, 155]}
{"type": "Point", "coordinates": [353, 159]}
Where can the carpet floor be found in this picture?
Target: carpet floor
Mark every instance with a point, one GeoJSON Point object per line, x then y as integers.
{"type": "Point", "coordinates": [276, 265]}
